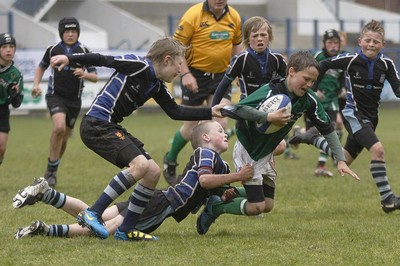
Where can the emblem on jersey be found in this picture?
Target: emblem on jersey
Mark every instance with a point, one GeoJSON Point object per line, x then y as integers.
{"type": "Point", "coordinates": [120, 135]}
{"type": "Point", "coordinates": [216, 35]}
{"type": "Point", "coordinates": [180, 27]}
{"type": "Point", "coordinates": [357, 76]}
{"type": "Point", "coordinates": [251, 75]}
{"type": "Point", "coordinates": [204, 24]}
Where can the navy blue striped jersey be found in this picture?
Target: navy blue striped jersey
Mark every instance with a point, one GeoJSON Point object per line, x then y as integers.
{"type": "Point", "coordinates": [132, 84]}
{"type": "Point", "coordinates": [188, 193]}
{"type": "Point", "coordinates": [364, 80]}
{"type": "Point", "coordinates": [253, 70]}
{"type": "Point", "coordinates": [64, 83]}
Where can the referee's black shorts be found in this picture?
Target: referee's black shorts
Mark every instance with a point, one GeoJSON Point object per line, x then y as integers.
{"type": "Point", "coordinates": [207, 83]}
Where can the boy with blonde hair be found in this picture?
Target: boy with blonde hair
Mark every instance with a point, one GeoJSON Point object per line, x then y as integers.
{"type": "Point", "coordinates": [135, 80]}
{"type": "Point", "coordinates": [365, 73]}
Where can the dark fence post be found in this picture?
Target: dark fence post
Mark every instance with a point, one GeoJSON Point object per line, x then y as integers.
{"type": "Point", "coordinates": [316, 35]}
{"type": "Point", "coordinates": [288, 36]}
{"type": "Point", "coordinates": [11, 23]}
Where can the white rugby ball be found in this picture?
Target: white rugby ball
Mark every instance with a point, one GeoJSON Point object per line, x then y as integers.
{"type": "Point", "coordinates": [272, 104]}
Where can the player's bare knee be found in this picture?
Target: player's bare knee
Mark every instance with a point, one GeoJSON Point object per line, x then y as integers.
{"type": "Point", "coordinates": [139, 167]}
{"type": "Point", "coordinates": [154, 172]}
{"type": "Point", "coordinates": [152, 176]}
{"type": "Point", "coordinates": [269, 205]}
{"type": "Point", "coordinates": [280, 148]}
{"type": "Point", "coordinates": [253, 209]}
{"type": "Point", "coordinates": [59, 130]}
{"type": "Point", "coordinates": [377, 152]}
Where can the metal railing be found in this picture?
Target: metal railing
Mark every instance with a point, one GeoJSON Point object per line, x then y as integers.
{"type": "Point", "coordinates": [296, 34]}
{"type": "Point", "coordinates": [10, 21]}
{"type": "Point", "coordinates": [29, 7]}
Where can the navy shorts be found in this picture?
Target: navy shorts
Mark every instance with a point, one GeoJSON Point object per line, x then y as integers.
{"type": "Point", "coordinates": [208, 83]}
{"type": "Point", "coordinates": [56, 104]}
{"type": "Point", "coordinates": [157, 210]}
{"type": "Point", "coordinates": [111, 141]}
{"type": "Point", "coordinates": [4, 118]}
{"type": "Point", "coordinates": [364, 137]}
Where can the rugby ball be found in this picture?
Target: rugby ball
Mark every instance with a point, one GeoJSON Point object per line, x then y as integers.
{"type": "Point", "coordinates": [272, 104]}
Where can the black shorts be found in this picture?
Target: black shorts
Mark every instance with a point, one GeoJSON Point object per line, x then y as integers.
{"type": "Point", "coordinates": [4, 118]}
{"type": "Point", "coordinates": [208, 83]}
{"type": "Point", "coordinates": [56, 104]}
{"type": "Point", "coordinates": [362, 138]}
{"type": "Point", "coordinates": [258, 193]}
{"type": "Point", "coordinates": [111, 141]}
{"type": "Point", "coordinates": [156, 211]}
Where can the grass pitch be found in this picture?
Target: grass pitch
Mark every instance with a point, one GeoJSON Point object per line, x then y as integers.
{"type": "Point", "coordinates": [316, 221]}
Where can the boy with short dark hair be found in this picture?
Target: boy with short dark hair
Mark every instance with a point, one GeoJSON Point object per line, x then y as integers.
{"type": "Point", "coordinates": [63, 97]}
{"type": "Point", "coordinates": [256, 148]}
{"type": "Point", "coordinates": [135, 80]}
{"type": "Point", "coordinates": [11, 87]}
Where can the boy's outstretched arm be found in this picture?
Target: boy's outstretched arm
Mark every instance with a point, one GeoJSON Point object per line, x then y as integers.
{"type": "Point", "coordinates": [241, 112]}
{"type": "Point", "coordinates": [210, 181]}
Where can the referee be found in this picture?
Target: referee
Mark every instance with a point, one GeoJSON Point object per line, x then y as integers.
{"type": "Point", "coordinates": [212, 32]}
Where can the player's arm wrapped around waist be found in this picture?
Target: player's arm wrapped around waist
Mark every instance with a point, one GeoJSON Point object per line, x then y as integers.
{"type": "Point", "coordinates": [241, 112]}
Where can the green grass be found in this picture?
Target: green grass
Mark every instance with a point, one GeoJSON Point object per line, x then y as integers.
{"type": "Point", "coordinates": [316, 221]}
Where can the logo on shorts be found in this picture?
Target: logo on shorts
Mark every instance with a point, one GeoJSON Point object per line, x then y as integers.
{"type": "Point", "coordinates": [120, 135]}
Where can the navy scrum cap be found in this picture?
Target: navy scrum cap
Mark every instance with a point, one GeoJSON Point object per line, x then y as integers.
{"type": "Point", "coordinates": [6, 38]}
{"type": "Point", "coordinates": [66, 24]}
{"type": "Point", "coordinates": [331, 34]}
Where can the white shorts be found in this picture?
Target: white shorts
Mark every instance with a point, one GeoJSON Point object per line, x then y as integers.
{"type": "Point", "coordinates": [264, 171]}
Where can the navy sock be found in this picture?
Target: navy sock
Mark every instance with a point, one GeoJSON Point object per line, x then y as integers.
{"type": "Point", "coordinates": [118, 185]}
{"type": "Point", "coordinates": [138, 201]}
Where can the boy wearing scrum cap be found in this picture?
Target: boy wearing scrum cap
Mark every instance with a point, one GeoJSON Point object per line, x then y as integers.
{"type": "Point", "coordinates": [11, 87]}
{"type": "Point", "coordinates": [63, 96]}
